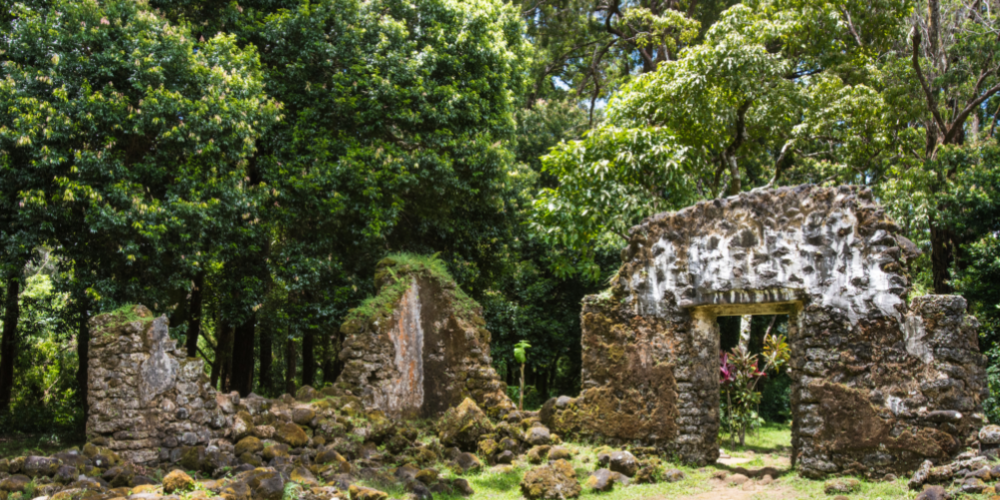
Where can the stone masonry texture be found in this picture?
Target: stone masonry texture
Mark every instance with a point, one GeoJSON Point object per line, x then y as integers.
{"type": "Point", "coordinates": [878, 384]}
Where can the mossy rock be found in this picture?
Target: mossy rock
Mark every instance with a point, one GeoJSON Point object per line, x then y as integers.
{"type": "Point", "coordinates": [291, 434]}
{"type": "Point", "coordinates": [549, 483]}
{"type": "Point", "coordinates": [463, 426]}
{"type": "Point", "coordinates": [248, 444]}
{"type": "Point", "coordinates": [177, 480]}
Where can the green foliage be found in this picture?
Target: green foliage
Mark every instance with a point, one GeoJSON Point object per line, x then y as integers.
{"type": "Point", "coordinates": [519, 351]}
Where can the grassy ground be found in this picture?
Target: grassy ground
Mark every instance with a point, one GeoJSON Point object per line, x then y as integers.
{"type": "Point", "coordinates": [770, 446]}
{"type": "Point", "coordinates": [13, 445]}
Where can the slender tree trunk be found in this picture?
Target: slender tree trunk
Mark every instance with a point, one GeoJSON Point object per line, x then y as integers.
{"type": "Point", "coordinates": [308, 357]}
{"type": "Point", "coordinates": [223, 357]}
{"type": "Point", "coordinates": [336, 365]}
{"type": "Point", "coordinates": [941, 257]}
{"type": "Point", "coordinates": [243, 358]}
{"type": "Point", "coordinates": [290, 366]}
{"type": "Point", "coordinates": [194, 315]}
{"type": "Point", "coordinates": [266, 357]}
{"type": "Point", "coordinates": [327, 364]}
{"type": "Point", "coordinates": [83, 358]}
{"type": "Point", "coordinates": [934, 30]}
{"type": "Point", "coordinates": [543, 384]}
{"type": "Point", "coordinates": [8, 345]}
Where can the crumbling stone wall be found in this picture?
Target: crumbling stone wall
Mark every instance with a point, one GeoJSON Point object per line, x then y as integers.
{"type": "Point", "coordinates": [145, 397]}
{"type": "Point", "coordinates": [878, 386]}
{"type": "Point", "coordinates": [419, 347]}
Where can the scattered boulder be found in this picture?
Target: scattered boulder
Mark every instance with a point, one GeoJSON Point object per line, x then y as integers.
{"type": "Point", "coordinates": [248, 444]}
{"type": "Point", "coordinates": [990, 434]}
{"type": "Point", "coordinates": [505, 457]}
{"type": "Point", "coordinates": [737, 479]}
{"type": "Point", "coordinates": [272, 488]}
{"type": "Point", "coordinates": [549, 483]}
{"type": "Point", "coordinates": [177, 480]}
{"type": "Point", "coordinates": [841, 485]}
{"type": "Point", "coordinates": [15, 483]}
{"type": "Point", "coordinates": [559, 453]}
{"type": "Point", "coordinates": [40, 466]}
{"type": "Point", "coordinates": [603, 480]}
{"type": "Point", "coordinates": [538, 454]}
{"type": "Point", "coordinates": [673, 475]}
{"type": "Point", "coordinates": [361, 493]}
{"type": "Point", "coordinates": [291, 434]}
{"type": "Point", "coordinates": [623, 462]}
{"type": "Point", "coordinates": [463, 426]}
{"type": "Point", "coordinates": [463, 487]}
{"type": "Point", "coordinates": [933, 492]}
{"type": "Point", "coordinates": [468, 462]}
{"type": "Point", "coordinates": [538, 435]}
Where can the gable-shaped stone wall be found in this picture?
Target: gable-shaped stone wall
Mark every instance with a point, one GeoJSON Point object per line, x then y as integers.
{"type": "Point", "coordinates": [878, 386]}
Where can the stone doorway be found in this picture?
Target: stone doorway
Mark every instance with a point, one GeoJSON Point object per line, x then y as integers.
{"type": "Point", "coordinates": [880, 382]}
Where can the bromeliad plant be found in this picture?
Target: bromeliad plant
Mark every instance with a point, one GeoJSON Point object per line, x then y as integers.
{"type": "Point", "coordinates": [739, 374]}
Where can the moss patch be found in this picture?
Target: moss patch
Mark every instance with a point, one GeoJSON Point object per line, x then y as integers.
{"type": "Point", "coordinates": [393, 277]}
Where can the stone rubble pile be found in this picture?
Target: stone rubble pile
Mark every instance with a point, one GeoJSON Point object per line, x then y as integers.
{"type": "Point", "coordinates": [969, 473]}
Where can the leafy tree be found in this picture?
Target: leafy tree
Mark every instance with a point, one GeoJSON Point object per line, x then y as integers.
{"type": "Point", "coordinates": [122, 138]}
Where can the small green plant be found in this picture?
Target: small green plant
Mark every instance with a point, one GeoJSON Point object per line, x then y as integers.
{"type": "Point", "coordinates": [521, 355]}
{"type": "Point", "coordinates": [739, 375]}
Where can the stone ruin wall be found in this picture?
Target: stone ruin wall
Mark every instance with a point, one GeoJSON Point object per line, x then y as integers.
{"type": "Point", "coordinates": [150, 403]}
{"type": "Point", "coordinates": [145, 397]}
{"type": "Point", "coordinates": [878, 386]}
{"type": "Point", "coordinates": [425, 356]}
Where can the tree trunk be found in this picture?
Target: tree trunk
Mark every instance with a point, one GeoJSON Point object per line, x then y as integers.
{"type": "Point", "coordinates": [308, 357]}
{"type": "Point", "coordinates": [266, 359]}
{"type": "Point", "coordinates": [223, 357]}
{"type": "Point", "coordinates": [243, 358]}
{"type": "Point", "coordinates": [290, 366]}
{"type": "Point", "coordinates": [934, 30]}
{"type": "Point", "coordinates": [8, 345]}
{"type": "Point", "coordinates": [194, 315]}
{"type": "Point", "coordinates": [327, 364]}
{"type": "Point", "coordinates": [941, 257]}
{"type": "Point", "coordinates": [83, 357]}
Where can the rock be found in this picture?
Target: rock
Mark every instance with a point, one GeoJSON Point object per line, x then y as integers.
{"type": "Point", "coordinates": [601, 480]}
{"type": "Point", "coordinates": [468, 462]}
{"type": "Point", "coordinates": [559, 453]}
{"type": "Point", "coordinates": [623, 462]}
{"type": "Point", "coordinates": [920, 475]}
{"type": "Point", "coordinates": [305, 393]}
{"type": "Point", "coordinates": [40, 466]}
{"type": "Point", "coordinates": [538, 454]}
{"type": "Point", "coordinates": [505, 457]}
{"type": "Point", "coordinates": [463, 426]}
{"type": "Point", "coordinates": [303, 415]}
{"type": "Point", "coordinates": [647, 475]}
{"type": "Point", "coordinates": [302, 476]}
{"type": "Point", "coordinates": [242, 425]}
{"type": "Point", "coordinates": [841, 485]}
{"type": "Point", "coordinates": [66, 474]}
{"type": "Point", "coordinates": [427, 476]}
{"type": "Point", "coordinates": [248, 444]}
{"type": "Point", "coordinates": [990, 434]}
{"type": "Point", "coordinates": [119, 475]}
{"type": "Point", "coordinates": [933, 493]}
{"type": "Point", "coordinates": [463, 487]}
{"type": "Point", "coordinates": [15, 483]}
{"type": "Point", "coordinates": [548, 483]}
{"type": "Point", "coordinates": [329, 456]}
{"type": "Point", "coordinates": [280, 450]}
{"type": "Point", "coordinates": [537, 435]}
{"type": "Point", "coordinates": [291, 434]}
{"type": "Point", "coordinates": [972, 485]}
{"type": "Point", "coordinates": [766, 480]}
{"type": "Point", "coordinates": [177, 480]}
{"type": "Point", "coordinates": [272, 488]}
{"type": "Point", "coordinates": [419, 491]}
{"type": "Point", "coordinates": [361, 493]}
{"type": "Point", "coordinates": [737, 479]}
{"type": "Point", "coordinates": [673, 475]}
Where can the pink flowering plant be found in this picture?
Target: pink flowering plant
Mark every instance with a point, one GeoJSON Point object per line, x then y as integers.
{"type": "Point", "coordinates": [739, 373]}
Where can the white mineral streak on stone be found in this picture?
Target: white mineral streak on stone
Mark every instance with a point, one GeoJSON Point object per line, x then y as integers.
{"type": "Point", "coordinates": [917, 343]}
{"type": "Point", "coordinates": [406, 393]}
{"type": "Point", "coordinates": [751, 262]}
{"type": "Point", "coordinates": [159, 371]}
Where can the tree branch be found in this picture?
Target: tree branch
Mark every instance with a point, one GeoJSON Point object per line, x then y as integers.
{"type": "Point", "coordinates": [956, 125]}
{"type": "Point", "coordinates": [931, 102]}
